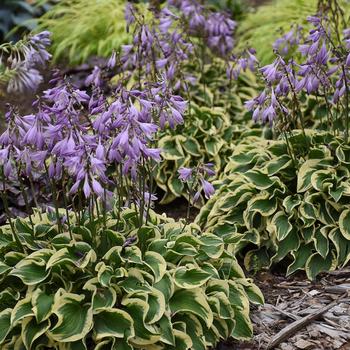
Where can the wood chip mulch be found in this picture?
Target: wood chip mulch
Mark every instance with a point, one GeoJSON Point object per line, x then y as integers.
{"type": "Point", "coordinates": [300, 314]}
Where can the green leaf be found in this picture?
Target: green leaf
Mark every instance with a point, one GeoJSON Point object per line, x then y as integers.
{"type": "Point", "coordinates": [282, 224]}
{"type": "Point", "coordinates": [138, 309]}
{"type": "Point", "coordinates": [260, 180]}
{"type": "Point", "coordinates": [156, 263]}
{"type": "Point", "coordinates": [344, 223]}
{"type": "Point", "coordinates": [22, 309]}
{"type": "Point", "coordinates": [74, 318]}
{"type": "Point", "coordinates": [5, 324]}
{"type": "Point", "coordinates": [32, 270]}
{"type": "Point", "coordinates": [188, 278]}
{"type": "Point", "coordinates": [317, 264]}
{"type": "Point", "coordinates": [42, 305]}
{"type": "Point", "coordinates": [31, 330]}
{"type": "Point", "coordinates": [111, 322]}
{"type": "Point", "coordinates": [192, 301]}
{"type": "Point", "coordinates": [261, 204]}
{"type": "Point", "coordinates": [192, 146]}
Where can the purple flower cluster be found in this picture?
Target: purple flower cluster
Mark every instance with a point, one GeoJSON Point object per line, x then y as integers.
{"type": "Point", "coordinates": [89, 145]}
{"type": "Point", "coordinates": [238, 64]}
{"type": "Point", "coordinates": [24, 60]}
{"type": "Point", "coordinates": [215, 28]}
{"type": "Point", "coordinates": [321, 69]}
{"type": "Point", "coordinates": [156, 48]}
{"type": "Point", "coordinates": [289, 41]}
{"type": "Point", "coordinates": [196, 180]}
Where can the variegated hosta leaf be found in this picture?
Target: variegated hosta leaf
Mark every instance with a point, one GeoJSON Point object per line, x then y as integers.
{"type": "Point", "coordinates": [74, 317]}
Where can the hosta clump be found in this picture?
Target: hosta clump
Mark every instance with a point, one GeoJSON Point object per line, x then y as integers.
{"type": "Point", "coordinates": [116, 285]}
{"type": "Point", "coordinates": [207, 135]}
{"type": "Point", "coordinates": [271, 206]}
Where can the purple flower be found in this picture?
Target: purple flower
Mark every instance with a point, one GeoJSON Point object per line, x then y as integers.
{"type": "Point", "coordinates": [185, 174]}
{"type": "Point", "coordinates": [208, 188]}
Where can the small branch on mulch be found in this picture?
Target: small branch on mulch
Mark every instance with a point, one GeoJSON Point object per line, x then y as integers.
{"type": "Point", "coordinates": [291, 329]}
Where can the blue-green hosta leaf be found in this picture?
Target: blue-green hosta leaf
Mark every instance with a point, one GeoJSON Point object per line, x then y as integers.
{"type": "Point", "coordinates": [110, 322]}
{"type": "Point", "coordinates": [282, 225]}
{"type": "Point", "coordinates": [74, 318]}
{"type": "Point", "coordinates": [316, 264]}
{"type": "Point", "coordinates": [42, 305]}
{"type": "Point", "coordinates": [31, 330]}
{"type": "Point", "coordinates": [138, 309]}
{"type": "Point", "coordinates": [32, 269]}
{"type": "Point", "coordinates": [188, 278]}
{"type": "Point", "coordinates": [5, 324]}
{"type": "Point", "coordinates": [156, 263]}
{"type": "Point", "coordinates": [192, 301]}
{"type": "Point", "coordinates": [22, 309]}
{"type": "Point", "coordinates": [344, 223]}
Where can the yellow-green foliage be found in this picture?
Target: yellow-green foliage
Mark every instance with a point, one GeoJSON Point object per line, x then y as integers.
{"type": "Point", "coordinates": [261, 28]}
{"type": "Point", "coordinates": [82, 28]}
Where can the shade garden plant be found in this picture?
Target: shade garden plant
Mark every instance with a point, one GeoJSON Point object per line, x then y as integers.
{"type": "Point", "coordinates": [175, 110]}
{"type": "Point", "coordinates": [91, 266]}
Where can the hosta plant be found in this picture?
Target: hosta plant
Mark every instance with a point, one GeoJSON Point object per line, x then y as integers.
{"type": "Point", "coordinates": [113, 284]}
{"type": "Point", "coordinates": [207, 135]}
{"type": "Point", "coordinates": [272, 205]}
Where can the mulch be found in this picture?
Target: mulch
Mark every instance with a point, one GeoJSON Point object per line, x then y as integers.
{"type": "Point", "coordinates": [291, 301]}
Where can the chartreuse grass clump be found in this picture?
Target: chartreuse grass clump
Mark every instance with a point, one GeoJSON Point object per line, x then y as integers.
{"type": "Point", "coordinates": [113, 284]}
{"type": "Point", "coordinates": [84, 28]}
